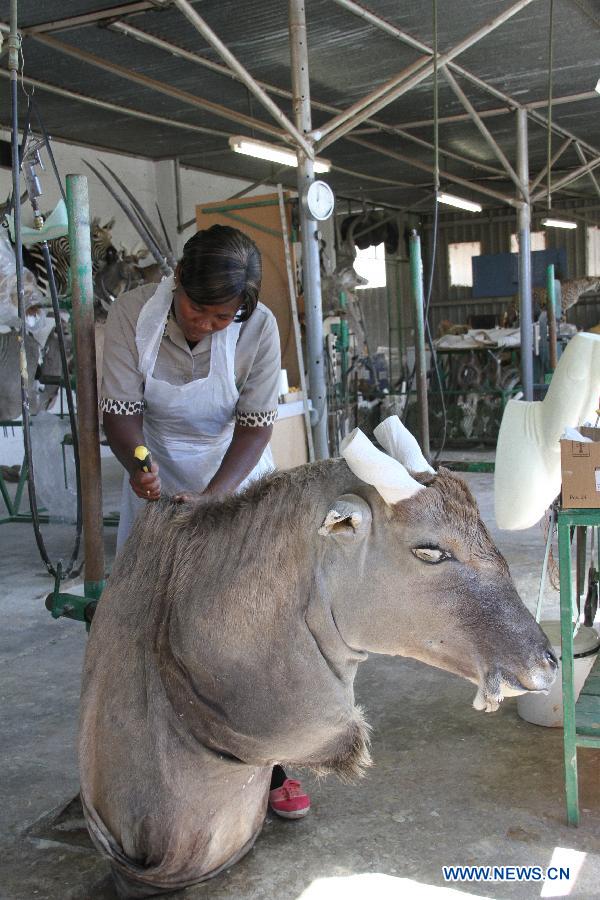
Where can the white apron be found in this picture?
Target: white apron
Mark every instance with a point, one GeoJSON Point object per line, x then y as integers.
{"type": "Point", "coordinates": [187, 427]}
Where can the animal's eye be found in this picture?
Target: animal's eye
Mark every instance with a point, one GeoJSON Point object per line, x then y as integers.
{"type": "Point", "coordinates": [431, 555]}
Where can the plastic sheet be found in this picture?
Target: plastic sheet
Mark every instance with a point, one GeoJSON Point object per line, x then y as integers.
{"type": "Point", "coordinates": [54, 466]}
{"type": "Point", "coordinates": [34, 299]}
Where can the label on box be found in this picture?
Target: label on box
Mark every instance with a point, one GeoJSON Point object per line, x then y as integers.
{"type": "Point", "coordinates": [597, 473]}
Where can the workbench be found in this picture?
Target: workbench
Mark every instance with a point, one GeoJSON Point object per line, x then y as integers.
{"type": "Point", "coordinates": [581, 719]}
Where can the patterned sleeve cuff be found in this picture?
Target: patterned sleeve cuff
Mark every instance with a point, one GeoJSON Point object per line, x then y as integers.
{"type": "Point", "coordinates": [122, 407]}
{"type": "Point", "coordinates": [256, 419]}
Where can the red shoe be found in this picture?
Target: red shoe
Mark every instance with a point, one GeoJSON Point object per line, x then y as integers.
{"type": "Point", "coordinates": [289, 801]}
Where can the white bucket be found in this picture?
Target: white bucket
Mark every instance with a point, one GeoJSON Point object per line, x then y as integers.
{"type": "Point", "coordinates": [547, 709]}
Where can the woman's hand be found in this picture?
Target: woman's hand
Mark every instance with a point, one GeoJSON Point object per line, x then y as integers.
{"type": "Point", "coordinates": [146, 485]}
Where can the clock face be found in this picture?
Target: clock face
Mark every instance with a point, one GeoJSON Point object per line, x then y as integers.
{"type": "Point", "coordinates": [320, 200]}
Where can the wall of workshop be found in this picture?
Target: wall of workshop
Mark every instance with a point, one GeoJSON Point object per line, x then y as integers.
{"type": "Point", "coordinates": [494, 228]}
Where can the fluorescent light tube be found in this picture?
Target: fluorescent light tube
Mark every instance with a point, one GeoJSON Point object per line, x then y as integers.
{"type": "Point", "coordinates": [281, 155]}
{"type": "Point", "coordinates": [597, 88]}
{"type": "Point", "coordinates": [460, 202]}
{"type": "Point", "coordinates": [558, 223]}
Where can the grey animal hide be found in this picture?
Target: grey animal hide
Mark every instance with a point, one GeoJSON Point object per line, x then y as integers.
{"type": "Point", "coordinates": [217, 651]}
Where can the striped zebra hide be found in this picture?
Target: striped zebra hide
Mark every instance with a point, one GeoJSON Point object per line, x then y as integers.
{"type": "Point", "coordinates": [103, 252]}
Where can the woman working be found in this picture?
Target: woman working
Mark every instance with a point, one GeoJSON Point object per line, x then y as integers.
{"type": "Point", "coordinates": [191, 370]}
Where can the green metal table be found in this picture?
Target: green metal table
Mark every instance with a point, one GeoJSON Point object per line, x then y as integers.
{"type": "Point", "coordinates": [581, 719]}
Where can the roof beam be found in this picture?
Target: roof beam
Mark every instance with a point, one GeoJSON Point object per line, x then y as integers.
{"type": "Point", "coordinates": [563, 147]}
{"type": "Point", "coordinates": [503, 110]}
{"type": "Point", "coordinates": [476, 119]}
{"type": "Point", "coordinates": [244, 76]}
{"type": "Point", "coordinates": [510, 102]}
{"type": "Point", "coordinates": [449, 176]}
{"type": "Point", "coordinates": [568, 179]}
{"type": "Point", "coordinates": [91, 18]}
{"type": "Point", "coordinates": [147, 38]}
{"type": "Point", "coordinates": [406, 80]}
{"type": "Point", "coordinates": [583, 159]}
{"type": "Point", "coordinates": [158, 86]}
{"type": "Point", "coordinates": [113, 107]}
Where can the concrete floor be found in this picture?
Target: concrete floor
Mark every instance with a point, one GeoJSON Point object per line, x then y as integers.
{"type": "Point", "coordinates": [449, 785]}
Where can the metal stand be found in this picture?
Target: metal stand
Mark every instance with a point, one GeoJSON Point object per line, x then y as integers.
{"type": "Point", "coordinates": [309, 233]}
{"type": "Point", "coordinates": [581, 719]}
{"type": "Point", "coordinates": [416, 277]}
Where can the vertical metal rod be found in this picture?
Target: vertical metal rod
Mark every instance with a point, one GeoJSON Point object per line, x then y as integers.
{"type": "Point", "coordinates": [416, 276]}
{"type": "Point", "coordinates": [551, 315]}
{"type": "Point", "coordinates": [87, 394]}
{"type": "Point", "coordinates": [525, 296]}
{"type": "Point", "coordinates": [311, 271]}
{"type": "Point", "coordinates": [568, 686]}
{"type": "Point", "coordinates": [178, 202]}
{"type": "Point", "coordinates": [295, 320]}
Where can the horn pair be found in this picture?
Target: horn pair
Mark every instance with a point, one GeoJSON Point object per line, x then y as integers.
{"type": "Point", "coordinates": [136, 214]}
{"type": "Point", "coordinates": [387, 473]}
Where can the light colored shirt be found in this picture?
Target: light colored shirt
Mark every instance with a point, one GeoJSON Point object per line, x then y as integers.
{"type": "Point", "coordinates": [257, 360]}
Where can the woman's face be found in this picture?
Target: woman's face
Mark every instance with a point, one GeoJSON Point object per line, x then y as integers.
{"type": "Point", "coordinates": [198, 321]}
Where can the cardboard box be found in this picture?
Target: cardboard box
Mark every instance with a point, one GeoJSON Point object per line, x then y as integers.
{"type": "Point", "coordinates": [580, 464]}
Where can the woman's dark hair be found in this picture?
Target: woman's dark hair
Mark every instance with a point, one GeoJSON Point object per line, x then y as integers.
{"type": "Point", "coordinates": [221, 265]}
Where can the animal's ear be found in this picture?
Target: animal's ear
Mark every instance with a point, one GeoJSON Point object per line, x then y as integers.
{"type": "Point", "coordinates": [110, 224]}
{"type": "Point", "coordinates": [349, 517]}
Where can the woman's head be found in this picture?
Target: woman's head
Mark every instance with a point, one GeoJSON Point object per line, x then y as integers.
{"type": "Point", "coordinates": [219, 266]}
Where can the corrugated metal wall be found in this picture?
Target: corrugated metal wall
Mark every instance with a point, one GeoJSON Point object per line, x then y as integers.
{"type": "Point", "coordinates": [494, 229]}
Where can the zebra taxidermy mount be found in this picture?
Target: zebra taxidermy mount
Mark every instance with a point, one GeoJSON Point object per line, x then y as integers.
{"type": "Point", "coordinates": [103, 254]}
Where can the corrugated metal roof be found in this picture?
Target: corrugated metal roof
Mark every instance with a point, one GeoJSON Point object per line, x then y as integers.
{"type": "Point", "coordinates": [348, 58]}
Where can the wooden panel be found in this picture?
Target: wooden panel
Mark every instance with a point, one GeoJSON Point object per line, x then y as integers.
{"type": "Point", "coordinates": [289, 442]}
{"type": "Point", "coordinates": [259, 218]}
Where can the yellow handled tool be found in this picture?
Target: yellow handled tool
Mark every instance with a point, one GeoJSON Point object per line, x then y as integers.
{"type": "Point", "coordinates": [143, 457]}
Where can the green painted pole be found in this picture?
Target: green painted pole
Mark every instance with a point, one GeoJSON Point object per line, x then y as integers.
{"type": "Point", "coordinates": [416, 277]}
{"type": "Point", "coordinates": [568, 685]}
{"type": "Point", "coordinates": [87, 395]}
{"type": "Point", "coordinates": [551, 314]}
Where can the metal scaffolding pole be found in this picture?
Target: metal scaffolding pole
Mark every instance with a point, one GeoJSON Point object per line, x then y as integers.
{"type": "Point", "coordinates": [416, 277]}
{"type": "Point", "coordinates": [87, 394]}
{"type": "Point", "coordinates": [311, 272]}
{"type": "Point", "coordinates": [525, 297]}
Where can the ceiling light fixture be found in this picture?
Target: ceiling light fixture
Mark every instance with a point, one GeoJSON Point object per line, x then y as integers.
{"type": "Point", "coordinates": [272, 153]}
{"type": "Point", "coordinates": [558, 223]}
{"type": "Point", "coordinates": [460, 202]}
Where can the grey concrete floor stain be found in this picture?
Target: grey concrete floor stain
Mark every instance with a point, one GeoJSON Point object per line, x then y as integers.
{"type": "Point", "coordinates": [448, 786]}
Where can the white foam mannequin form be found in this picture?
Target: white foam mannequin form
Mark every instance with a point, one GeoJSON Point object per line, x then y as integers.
{"type": "Point", "coordinates": [527, 470]}
{"type": "Point", "coordinates": [398, 441]}
{"type": "Point", "coordinates": [388, 476]}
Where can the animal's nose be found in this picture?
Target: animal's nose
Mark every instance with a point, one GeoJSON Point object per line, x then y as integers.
{"type": "Point", "coordinates": [551, 660]}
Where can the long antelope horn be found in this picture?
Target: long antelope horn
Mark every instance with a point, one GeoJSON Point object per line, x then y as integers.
{"type": "Point", "coordinates": [164, 230]}
{"type": "Point", "coordinates": [135, 221]}
{"type": "Point", "coordinates": [141, 212]}
{"type": "Point", "coordinates": [143, 215]}
{"type": "Point", "coordinates": [387, 475]}
{"type": "Point", "coordinates": [397, 440]}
